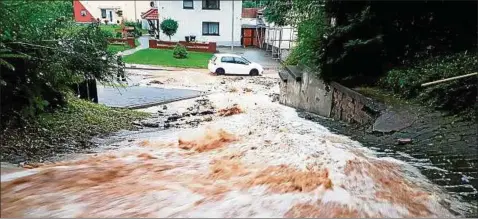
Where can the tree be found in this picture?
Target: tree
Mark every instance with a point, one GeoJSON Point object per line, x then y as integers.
{"type": "Point", "coordinates": [169, 27]}
{"type": "Point", "coordinates": [42, 53]}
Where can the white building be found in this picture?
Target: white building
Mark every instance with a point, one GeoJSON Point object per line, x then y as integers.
{"type": "Point", "coordinates": [111, 11]}
{"type": "Point", "coordinates": [208, 20]}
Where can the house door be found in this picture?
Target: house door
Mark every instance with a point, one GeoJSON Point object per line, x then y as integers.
{"type": "Point", "coordinates": [247, 37]}
{"type": "Point", "coordinates": [110, 16]}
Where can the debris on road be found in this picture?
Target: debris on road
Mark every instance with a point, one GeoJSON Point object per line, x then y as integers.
{"type": "Point", "coordinates": [235, 109]}
{"type": "Point", "coordinates": [233, 90]}
{"type": "Point", "coordinates": [403, 141]}
{"type": "Point", "coordinates": [156, 82]}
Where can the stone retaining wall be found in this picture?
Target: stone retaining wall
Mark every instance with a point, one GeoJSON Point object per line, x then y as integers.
{"type": "Point", "coordinates": [301, 89]}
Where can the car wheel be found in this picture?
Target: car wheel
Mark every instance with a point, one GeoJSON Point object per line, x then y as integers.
{"type": "Point", "coordinates": [220, 71]}
{"type": "Point", "coordinates": [254, 72]}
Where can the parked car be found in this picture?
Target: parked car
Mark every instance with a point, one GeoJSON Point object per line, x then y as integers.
{"type": "Point", "coordinates": [233, 64]}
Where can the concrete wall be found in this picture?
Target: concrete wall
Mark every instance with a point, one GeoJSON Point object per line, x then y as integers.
{"type": "Point", "coordinates": [128, 8]}
{"type": "Point", "coordinates": [307, 93]}
{"type": "Point", "coordinates": [301, 89]}
{"type": "Point", "coordinates": [190, 21]}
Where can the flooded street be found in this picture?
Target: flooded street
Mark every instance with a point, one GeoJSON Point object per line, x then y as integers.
{"type": "Point", "coordinates": [233, 153]}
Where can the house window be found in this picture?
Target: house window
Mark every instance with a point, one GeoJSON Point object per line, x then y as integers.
{"type": "Point", "coordinates": [83, 12]}
{"type": "Point", "coordinates": [210, 4]}
{"type": "Point", "coordinates": [210, 28]}
{"type": "Point", "coordinates": [103, 13]}
{"type": "Point", "coordinates": [188, 4]}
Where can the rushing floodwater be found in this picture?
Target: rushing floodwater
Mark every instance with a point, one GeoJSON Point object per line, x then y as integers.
{"type": "Point", "coordinates": [263, 162]}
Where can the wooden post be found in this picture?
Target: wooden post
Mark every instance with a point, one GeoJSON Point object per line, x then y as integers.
{"type": "Point", "coordinates": [448, 79]}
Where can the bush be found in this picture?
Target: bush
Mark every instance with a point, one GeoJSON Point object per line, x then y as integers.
{"type": "Point", "coordinates": [70, 128]}
{"type": "Point", "coordinates": [456, 96]}
{"type": "Point", "coordinates": [180, 52]}
{"type": "Point", "coordinates": [42, 53]}
{"type": "Point", "coordinates": [137, 28]}
{"type": "Point", "coordinates": [249, 4]}
{"type": "Point", "coordinates": [169, 27]}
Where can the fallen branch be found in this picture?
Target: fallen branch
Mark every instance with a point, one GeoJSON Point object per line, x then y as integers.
{"type": "Point", "coordinates": [448, 79]}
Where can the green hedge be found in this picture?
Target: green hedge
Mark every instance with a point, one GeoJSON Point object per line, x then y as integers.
{"type": "Point", "coordinates": [456, 96]}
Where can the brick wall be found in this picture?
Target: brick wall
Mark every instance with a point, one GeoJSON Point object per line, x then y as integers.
{"type": "Point", "coordinates": [210, 47]}
{"type": "Point", "coordinates": [249, 12]}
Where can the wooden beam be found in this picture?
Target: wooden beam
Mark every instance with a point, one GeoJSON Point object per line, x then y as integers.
{"type": "Point", "coordinates": [448, 79]}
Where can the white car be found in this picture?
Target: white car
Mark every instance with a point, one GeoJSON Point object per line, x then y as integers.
{"type": "Point", "coordinates": [233, 64]}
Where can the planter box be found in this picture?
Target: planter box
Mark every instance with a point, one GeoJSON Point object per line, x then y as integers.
{"type": "Point", "coordinates": [129, 41]}
{"type": "Point", "coordinates": [190, 46]}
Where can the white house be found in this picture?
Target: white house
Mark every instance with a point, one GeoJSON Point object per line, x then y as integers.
{"type": "Point", "coordinates": [110, 11]}
{"type": "Point", "coordinates": [208, 20]}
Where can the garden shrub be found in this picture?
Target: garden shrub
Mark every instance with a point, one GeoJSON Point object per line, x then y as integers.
{"type": "Point", "coordinates": [180, 52]}
{"type": "Point", "coordinates": [42, 54]}
{"type": "Point", "coordinates": [456, 96]}
{"type": "Point", "coordinates": [169, 27]}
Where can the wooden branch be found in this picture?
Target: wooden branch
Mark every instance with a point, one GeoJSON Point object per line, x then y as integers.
{"type": "Point", "coordinates": [448, 79]}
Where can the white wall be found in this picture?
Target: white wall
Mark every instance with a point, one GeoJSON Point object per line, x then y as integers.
{"type": "Point", "coordinates": [287, 35]}
{"type": "Point", "coordinates": [128, 8]}
{"type": "Point", "coordinates": [190, 20]}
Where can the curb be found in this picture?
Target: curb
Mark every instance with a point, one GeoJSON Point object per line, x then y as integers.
{"type": "Point", "coordinates": [147, 105]}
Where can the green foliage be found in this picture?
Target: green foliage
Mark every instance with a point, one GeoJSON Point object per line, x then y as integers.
{"type": "Point", "coordinates": [249, 4]}
{"type": "Point", "coordinates": [71, 126]}
{"type": "Point", "coordinates": [368, 39]}
{"type": "Point", "coordinates": [311, 31]}
{"type": "Point", "coordinates": [309, 18]}
{"type": "Point", "coordinates": [164, 57]}
{"type": "Point", "coordinates": [137, 32]}
{"type": "Point", "coordinates": [180, 52]}
{"type": "Point", "coordinates": [111, 29]}
{"type": "Point", "coordinates": [42, 53]}
{"type": "Point", "coordinates": [457, 95]}
{"type": "Point", "coordinates": [169, 27]}
{"type": "Point", "coordinates": [277, 11]}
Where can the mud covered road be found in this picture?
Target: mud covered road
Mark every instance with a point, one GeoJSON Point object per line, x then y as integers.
{"type": "Point", "coordinates": [233, 153]}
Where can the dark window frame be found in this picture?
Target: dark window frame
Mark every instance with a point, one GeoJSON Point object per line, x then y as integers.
{"type": "Point", "coordinates": [103, 15]}
{"type": "Point", "coordinates": [209, 23]}
{"type": "Point", "coordinates": [192, 7]}
{"type": "Point", "coordinates": [205, 3]}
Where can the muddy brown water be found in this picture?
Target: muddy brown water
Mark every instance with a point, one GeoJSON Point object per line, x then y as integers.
{"type": "Point", "coordinates": [444, 148]}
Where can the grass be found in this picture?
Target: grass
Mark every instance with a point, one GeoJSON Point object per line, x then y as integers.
{"type": "Point", "coordinates": [164, 57]}
{"type": "Point", "coordinates": [120, 48]}
{"type": "Point", "coordinates": [110, 28]}
{"type": "Point", "coordinates": [64, 130]}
